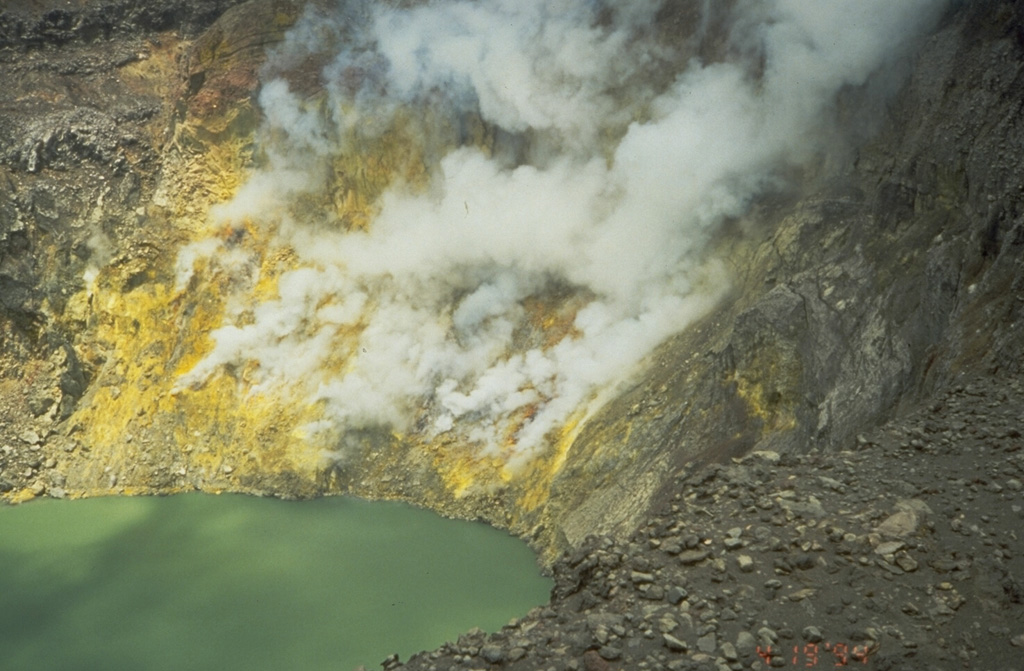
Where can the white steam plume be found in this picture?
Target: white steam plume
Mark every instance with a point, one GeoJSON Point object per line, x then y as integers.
{"type": "Point", "coordinates": [629, 152]}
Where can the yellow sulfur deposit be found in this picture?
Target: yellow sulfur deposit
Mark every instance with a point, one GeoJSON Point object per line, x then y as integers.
{"type": "Point", "coordinates": [140, 431]}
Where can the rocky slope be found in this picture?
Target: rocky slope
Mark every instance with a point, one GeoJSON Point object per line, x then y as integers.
{"type": "Point", "coordinates": [885, 291]}
{"type": "Point", "coordinates": [902, 552]}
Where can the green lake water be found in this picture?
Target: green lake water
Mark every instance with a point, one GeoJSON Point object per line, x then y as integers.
{"type": "Point", "coordinates": [233, 582]}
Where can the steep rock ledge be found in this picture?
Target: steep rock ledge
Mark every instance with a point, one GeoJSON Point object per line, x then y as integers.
{"type": "Point", "coordinates": [881, 285]}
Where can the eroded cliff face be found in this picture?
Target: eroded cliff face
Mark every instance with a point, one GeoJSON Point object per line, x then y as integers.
{"type": "Point", "coordinates": [872, 290]}
{"type": "Point", "coordinates": [886, 267]}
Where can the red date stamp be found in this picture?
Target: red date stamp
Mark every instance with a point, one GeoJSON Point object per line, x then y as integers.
{"type": "Point", "coordinates": [814, 655]}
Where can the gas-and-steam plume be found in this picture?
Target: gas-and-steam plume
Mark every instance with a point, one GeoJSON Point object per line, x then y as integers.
{"type": "Point", "coordinates": [612, 147]}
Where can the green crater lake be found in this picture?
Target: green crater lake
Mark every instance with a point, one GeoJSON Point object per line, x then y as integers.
{"type": "Point", "coordinates": [229, 582]}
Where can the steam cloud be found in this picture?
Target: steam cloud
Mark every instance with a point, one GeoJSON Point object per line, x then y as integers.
{"type": "Point", "coordinates": [619, 152]}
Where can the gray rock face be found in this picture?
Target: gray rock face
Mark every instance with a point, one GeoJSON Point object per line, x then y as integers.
{"type": "Point", "coordinates": [887, 280]}
{"type": "Point", "coordinates": [22, 24]}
